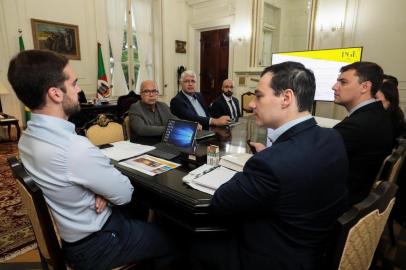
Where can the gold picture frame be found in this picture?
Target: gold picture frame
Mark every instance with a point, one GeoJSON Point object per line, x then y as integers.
{"type": "Point", "coordinates": [180, 46]}
{"type": "Point", "coordinates": [58, 37]}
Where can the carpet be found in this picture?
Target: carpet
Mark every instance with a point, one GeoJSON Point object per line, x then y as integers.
{"type": "Point", "coordinates": [16, 235]}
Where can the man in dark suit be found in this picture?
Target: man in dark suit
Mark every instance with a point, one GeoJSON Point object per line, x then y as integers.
{"type": "Point", "coordinates": [367, 131]}
{"type": "Point", "coordinates": [226, 104]}
{"type": "Point", "coordinates": [285, 203]}
{"type": "Point", "coordinates": [189, 105]}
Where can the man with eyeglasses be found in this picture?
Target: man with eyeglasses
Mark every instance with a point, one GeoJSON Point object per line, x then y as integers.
{"type": "Point", "coordinates": [189, 105]}
{"type": "Point", "coordinates": [226, 104]}
{"type": "Point", "coordinates": [148, 117]}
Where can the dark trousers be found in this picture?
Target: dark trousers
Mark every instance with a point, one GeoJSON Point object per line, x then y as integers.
{"type": "Point", "coordinates": [121, 241]}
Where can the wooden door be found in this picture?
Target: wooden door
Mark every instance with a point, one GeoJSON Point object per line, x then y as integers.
{"type": "Point", "coordinates": [214, 46]}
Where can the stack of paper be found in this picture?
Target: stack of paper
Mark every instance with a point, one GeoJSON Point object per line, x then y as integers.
{"type": "Point", "coordinates": [235, 162]}
{"type": "Point", "coordinates": [125, 149]}
{"type": "Point", "coordinates": [149, 165]}
{"type": "Point", "coordinates": [212, 180]}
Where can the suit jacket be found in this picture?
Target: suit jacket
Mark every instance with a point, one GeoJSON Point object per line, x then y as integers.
{"type": "Point", "coordinates": [219, 107]}
{"type": "Point", "coordinates": [287, 199]}
{"type": "Point", "coordinates": [182, 108]}
{"type": "Point", "coordinates": [368, 138]}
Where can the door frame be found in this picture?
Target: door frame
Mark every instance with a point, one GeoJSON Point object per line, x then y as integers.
{"type": "Point", "coordinates": [194, 31]}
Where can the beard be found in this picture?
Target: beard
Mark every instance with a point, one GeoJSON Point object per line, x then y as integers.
{"type": "Point", "coordinates": [70, 106]}
{"type": "Point", "coordinates": [228, 93]}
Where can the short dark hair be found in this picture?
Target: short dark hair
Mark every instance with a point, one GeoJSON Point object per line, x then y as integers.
{"type": "Point", "coordinates": [31, 73]}
{"type": "Point", "coordinates": [295, 76]}
{"type": "Point", "coordinates": [367, 71]}
{"type": "Point", "coordinates": [391, 78]}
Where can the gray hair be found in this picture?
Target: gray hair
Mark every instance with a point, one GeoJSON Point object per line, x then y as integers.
{"type": "Point", "coordinates": [189, 73]}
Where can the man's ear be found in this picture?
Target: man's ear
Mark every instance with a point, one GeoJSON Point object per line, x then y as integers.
{"type": "Point", "coordinates": [366, 86]}
{"type": "Point", "coordinates": [55, 94]}
{"type": "Point", "coordinates": [287, 98]}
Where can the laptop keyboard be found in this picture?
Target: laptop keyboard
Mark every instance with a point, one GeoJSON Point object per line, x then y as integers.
{"type": "Point", "coordinates": [164, 151]}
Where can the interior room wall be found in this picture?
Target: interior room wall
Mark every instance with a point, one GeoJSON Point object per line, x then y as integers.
{"type": "Point", "coordinates": [87, 15]}
{"type": "Point", "coordinates": [378, 26]}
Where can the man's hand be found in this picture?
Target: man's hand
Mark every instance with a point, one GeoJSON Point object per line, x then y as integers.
{"type": "Point", "coordinates": [258, 146]}
{"type": "Point", "coordinates": [101, 204]}
{"type": "Point", "coordinates": [199, 127]}
{"type": "Point", "coordinates": [221, 121]}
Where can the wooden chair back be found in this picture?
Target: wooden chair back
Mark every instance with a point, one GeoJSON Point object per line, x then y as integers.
{"type": "Point", "coordinates": [40, 217]}
{"type": "Point", "coordinates": [246, 98]}
{"type": "Point", "coordinates": [359, 229]}
{"type": "Point", "coordinates": [105, 131]}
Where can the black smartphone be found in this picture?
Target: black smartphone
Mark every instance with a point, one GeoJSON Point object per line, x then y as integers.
{"type": "Point", "coordinates": [107, 145]}
{"type": "Point", "coordinates": [252, 148]}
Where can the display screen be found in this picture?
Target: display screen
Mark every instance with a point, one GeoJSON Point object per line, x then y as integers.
{"type": "Point", "coordinates": [180, 133]}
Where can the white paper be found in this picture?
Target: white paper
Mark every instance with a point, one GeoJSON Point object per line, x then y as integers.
{"type": "Point", "coordinates": [215, 178]}
{"type": "Point", "coordinates": [125, 149]}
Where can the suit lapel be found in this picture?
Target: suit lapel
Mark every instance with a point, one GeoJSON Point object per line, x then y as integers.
{"type": "Point", "coordinates": [225, 105]}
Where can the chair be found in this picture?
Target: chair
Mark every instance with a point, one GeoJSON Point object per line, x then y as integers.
{"type": "Point", "coordinates": [392, 164]}
{"type": "Point", "coordinates": [104, 131]}
{"type": "Point", "coordinates": [127, 127]}
{"type": "Point", "coordinates": [45, 230]}
{"type": "Point", "coordinates": [246, 98]}
{"type": "Point", "coordinates": [38, 213]}
{"type": "Point", "coordinates": [125, 102]}
{"type": "Point", "coordinates": [358, 230]}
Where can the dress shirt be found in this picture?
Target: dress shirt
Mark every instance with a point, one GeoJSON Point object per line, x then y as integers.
{"type": "Point", "coordinates": [70, 170]}
{"type": "Point", "coordinates": [231, 106]}
{"type": "Point", "coordinates": [196, 105]}
{"type": "Point", "coordinates": [282, 129]}
{"type": "Point", "coordinates": [362, 104]}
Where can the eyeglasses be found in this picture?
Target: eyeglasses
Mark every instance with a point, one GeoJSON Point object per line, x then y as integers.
{"type": "Point", "coordinates": [189, 81]}
{"type": "Point", "coordinates": [149, 92]}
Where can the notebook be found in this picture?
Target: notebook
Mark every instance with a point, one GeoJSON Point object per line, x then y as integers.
{"type": "Point", "coordinates": [179, 137]}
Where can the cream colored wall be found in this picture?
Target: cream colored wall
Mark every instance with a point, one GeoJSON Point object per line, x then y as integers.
{"type": "Point", "coordinates": [378, 26]}
{"type": "Point", "coordinates": [90, 18]}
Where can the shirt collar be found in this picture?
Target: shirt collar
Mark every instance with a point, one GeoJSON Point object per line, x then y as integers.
{"type": "Point", "coordinates": [226, 97]}
{"type": "Point", "coordinates": [360, 105]}
{"type": "Point", "coordinates": [282, 129]}
{"type": "Point", "coordinates": [48, 120]}
{"type": "Point", "coordinates": [191, 98]}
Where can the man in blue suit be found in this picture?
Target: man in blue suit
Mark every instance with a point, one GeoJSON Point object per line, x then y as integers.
{"type": "Point", "coordinates": [189, 105]}
{"type": "Point", "coordinates": [226, 104]}
{"type": "Point", "coordinates": [284, 204]}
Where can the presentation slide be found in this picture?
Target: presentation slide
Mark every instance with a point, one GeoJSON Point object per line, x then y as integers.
{"type": "Point", "coordinates": [325, 65]}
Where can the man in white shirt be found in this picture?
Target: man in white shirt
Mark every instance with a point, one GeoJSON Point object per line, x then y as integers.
{"type": "Point", "coordinates": [78, 182]}
{"type": "Point", "coordinates": [189, 105]}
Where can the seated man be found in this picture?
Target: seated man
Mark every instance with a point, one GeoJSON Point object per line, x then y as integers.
{"type": "Point", "coordinates": [78, 182]}
{"type": "Point", "coordinates": [226, 104]}
{"type": "Point", "coordinates": [284, 204]}
{"type": "Point", "coordinates": [189, 105]}
{"type": "Point", "coordinates": [367, 131]}
{"type": "Point", "coordinates": [148, 117]}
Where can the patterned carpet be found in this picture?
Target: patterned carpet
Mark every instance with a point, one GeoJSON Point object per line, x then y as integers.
{"type": "Point", "coordinates": [16, 235]}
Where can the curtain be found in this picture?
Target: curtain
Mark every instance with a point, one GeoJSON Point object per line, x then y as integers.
{"type": "Point", "coordinates": [116, 24]}
{"type": "Point", "coordinates": [142, 16]}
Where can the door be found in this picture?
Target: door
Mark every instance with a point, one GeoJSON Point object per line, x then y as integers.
{"type": "Point", "coordinates": [214, 47]}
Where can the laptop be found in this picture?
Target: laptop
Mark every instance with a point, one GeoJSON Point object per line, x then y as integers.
{"type": "Point", "coordinates": [179, 137]}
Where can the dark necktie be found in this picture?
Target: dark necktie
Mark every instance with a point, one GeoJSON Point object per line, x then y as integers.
{"type": "Point", "coordinates": [233, 114]}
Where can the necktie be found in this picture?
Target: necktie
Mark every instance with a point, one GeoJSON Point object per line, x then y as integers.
{"type": "Point", "coordinates": [233, 114]}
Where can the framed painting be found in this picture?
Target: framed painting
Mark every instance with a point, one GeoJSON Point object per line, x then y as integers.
{"type": "Point", "coordinates": [58, 37]}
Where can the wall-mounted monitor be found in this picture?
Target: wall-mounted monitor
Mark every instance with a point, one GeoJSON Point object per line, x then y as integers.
{"type": "Point", "coordinates": [325, 65]}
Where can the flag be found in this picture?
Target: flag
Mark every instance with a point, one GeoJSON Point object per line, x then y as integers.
{"type": "Point", "coordinates": [103, 89]}
{"type": "Point", "coordinates": [27, 110]}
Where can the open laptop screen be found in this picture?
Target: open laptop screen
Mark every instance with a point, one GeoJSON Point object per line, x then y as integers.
{"type": "Point", "coordinates": [180, 133]}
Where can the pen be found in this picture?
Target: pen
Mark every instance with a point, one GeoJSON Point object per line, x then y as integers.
{"type": "Point", "coordinates": [206, 171]}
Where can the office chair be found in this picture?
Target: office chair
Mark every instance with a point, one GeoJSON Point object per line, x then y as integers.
{"type": "Point", "coordinates": [104, 131]}
{"type": "Point", "coordinates": [358, 230]}
{"type": "Point", "coordinates": [45, 230]}
{"type": "Point", "coordinates": [246, 98]}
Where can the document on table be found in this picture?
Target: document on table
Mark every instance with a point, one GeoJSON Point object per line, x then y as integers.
{"type": "Point", "coordinates": [212, 180]}
{"type": "Point", "coordinates": [125, 149]}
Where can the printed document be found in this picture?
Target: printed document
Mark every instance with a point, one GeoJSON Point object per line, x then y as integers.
{"type": "Point", "coordinates": [125, 149]}
{"type": "Point", "coordinates": [149, 165]}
